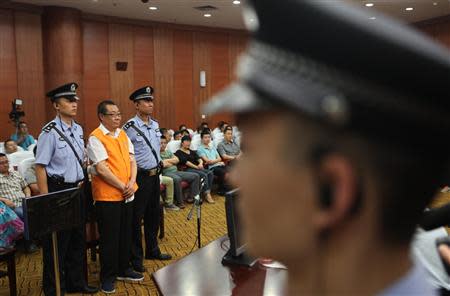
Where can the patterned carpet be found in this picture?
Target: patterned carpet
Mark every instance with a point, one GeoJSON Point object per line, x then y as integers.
{"type": "Point", "coordinates": [179, 240]}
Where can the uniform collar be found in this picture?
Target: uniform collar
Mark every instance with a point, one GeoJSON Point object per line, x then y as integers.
{"type": "Point", "coordinates": [105, 131]}
{"type": "Point", "coordinates": [141, 123]}
{"type": "Point", "coordinates": [64, 125]}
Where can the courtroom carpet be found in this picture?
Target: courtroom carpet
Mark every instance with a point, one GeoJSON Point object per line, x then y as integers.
{"type": "Point", "coordinates": [180, 236]}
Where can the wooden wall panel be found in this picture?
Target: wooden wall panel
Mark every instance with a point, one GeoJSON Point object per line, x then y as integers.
{"type": "Point", "coordinates": [121, 49]}
{"type": "Point", "coordinates": [8, 71]}
{"type": "Point", "coordinates": [96, 81]}
{"type": "Point", "coordinates": [202, 62]}
{"type": "Point", "coordinates": [143, 57]}
{"type": "Point", "coordinates": [183, 78]}
{"type": "Point", "coordinates": [164, 94]}
{"type": "Point", "coordinates": [220, 70]}
{"type": "Point", "coordinates": [438, 29]}
{"type": "Point", "coordinates": [30, 69]}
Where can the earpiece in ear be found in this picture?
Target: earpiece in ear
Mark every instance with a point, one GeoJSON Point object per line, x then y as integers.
{"type": "Point", "coordinates": [325, 199]}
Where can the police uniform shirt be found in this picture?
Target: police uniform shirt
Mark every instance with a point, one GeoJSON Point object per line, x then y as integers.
{"type": "Point", "coordinates": [144, 156]}
{"type": "Point", "coordinates": [55, 154]}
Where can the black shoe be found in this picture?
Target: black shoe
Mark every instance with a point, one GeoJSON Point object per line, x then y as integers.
{"type": "Point", "coordinates": [85, 290]}
{"type": "Point", "coordinates": [159, 256]}
{"type": "Point", "coordinates": [130, 275]}
{"type": "Point", "coordinates": [139, 268]}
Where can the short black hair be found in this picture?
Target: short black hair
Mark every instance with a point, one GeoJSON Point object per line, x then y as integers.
{"type": "Point", "coordinates": [228, 128]}
{"type": "Point", "coordinates": [101, 108]}
{"type": "Point", "coordinates": [220, 124]}
{"type": "Point", "coordinates": [162, 130]}
{"type": "Point", "coordinates": [35, 150]}
{"type": "Point", "coordinates": [176, 133]}
{"type": "Point", "coordinates": [181, 127]}
{"type": "Point", "coordinates": [163, 137]}
{"type": "Point", "coordinates": [204, 133]}
{"type": "Point", "coordinates": [3, 155]}
{"type": "Point", "coordinates": [9, 140]}
{"type": "Point", "coordinates": [184, 132]}
{"type": "Point", "coordinates": [185, 138]}
{"type": "Point", "coordinates": [204, 123]}
{"type": "Point", "coordinates": [22, 122]}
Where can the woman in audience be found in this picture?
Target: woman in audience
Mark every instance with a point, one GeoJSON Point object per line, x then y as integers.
{"type": "Point", "coordinates": [11, 227]}
{"type": "Point", "coordinates": [194, 164]}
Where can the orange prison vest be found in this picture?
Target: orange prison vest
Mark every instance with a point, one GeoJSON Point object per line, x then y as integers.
{"type": "Point", "coordinates": [118, 162]}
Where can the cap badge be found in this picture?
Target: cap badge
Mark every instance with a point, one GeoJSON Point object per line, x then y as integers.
{"type": "Point", "coordinates": [73, 87]}
{"type": "Point", "coordinates": [147, 90]}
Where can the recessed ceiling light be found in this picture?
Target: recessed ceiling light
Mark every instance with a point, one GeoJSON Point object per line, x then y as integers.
{"type": "Point", "coordinates": [372, 18]}
{"type": "Point", "coordinates": [409, 8]}
{"type": "Point", "coordinates": [434, 3]}
{"type": "Point", "coordinates": [153, 8]}
{"type": "Point", "coordinates": [236, 2]}
{"type": "Point", "coordinates": [207, 15]}
{"type": "Point", "coordinates": [369, 4]}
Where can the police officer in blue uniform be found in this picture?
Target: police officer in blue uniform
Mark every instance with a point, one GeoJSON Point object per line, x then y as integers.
{"type": "Point", "coordinates": [58, 168]}
{"type": "Point", "coordinates": [144, 133]}
{"type": "Point", "coordinates": [370, 105]}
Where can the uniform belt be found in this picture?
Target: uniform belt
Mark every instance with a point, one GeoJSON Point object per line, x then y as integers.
{"type": "Point", "coordinates": [60, 181]}
{"type": "Point", "coordinates": [150, 172]}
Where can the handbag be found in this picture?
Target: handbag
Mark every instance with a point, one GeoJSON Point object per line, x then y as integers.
{"type": "Point", "coordinates": [11, 227]}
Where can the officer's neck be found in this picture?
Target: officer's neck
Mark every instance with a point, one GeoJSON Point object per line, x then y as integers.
{"type": "Point", "coordinates": [144, 117]}
{"type": "Point", "coordinates": [68, 120]}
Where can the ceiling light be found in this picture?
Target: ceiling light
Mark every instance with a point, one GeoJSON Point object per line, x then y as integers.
{"type": "Point", "coordinates": [369, 4]}
{"type": "Point", "coordinates": [153, 8]}
{"type": "Point", "coordinates": [434, 3]}
{"type": "Point", "coordinates": [409, 8]}
{"type": "Point", "coordinates": [372, 18]}
{"type": "Point", "coordinates": [236, 2]}
{"type": "Point", "coordinates": [207, 15]}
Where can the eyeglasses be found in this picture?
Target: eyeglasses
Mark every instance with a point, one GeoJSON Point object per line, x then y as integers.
{"type": "Point", "coordinates": [113, 114]}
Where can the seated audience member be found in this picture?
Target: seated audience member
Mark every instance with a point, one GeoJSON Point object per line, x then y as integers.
{"type": "Point", "coordinates": [168, 201]}
{"type": "Point", "coordinates": [30, 176]}
{"type": "Point", "coordinates": [177, 136]}
{"type": "Point", "coordinates": [218, 128]}
{"type": "Point", "coordinates": [11, 225]}
{"type": "Point", "coordinates": [12, 187]}
{"type": "Point", "coordinates": [22, 137]}
{"type": "Point", "coordinates": [10, 146]}
{"type": "Point", "coordinates": [185, 132]}
{"type": "Point", "coordinates": [228, 149]}
{"type": "Point", "coordinates": [182, 127]}
{"type": "Point", "coordinates": [170, 162]}
{"type": "Point", "coordinates": [194, 164]}
{"type": "Point", "coordinates": [204, 125]}
{"type": "Point", "coordinates": [212, 159]}
{"type": "Point", "coordinates": [166, 133]}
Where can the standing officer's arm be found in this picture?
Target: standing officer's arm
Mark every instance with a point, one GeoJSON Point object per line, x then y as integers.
{"type": "Point", "coordinates": [41, 176]}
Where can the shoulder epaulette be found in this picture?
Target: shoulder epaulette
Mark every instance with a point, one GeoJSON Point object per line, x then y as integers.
{"type": "Point", "coordinates": [49, 127]}
{"type": "Point", "coordinates": [128, 124]}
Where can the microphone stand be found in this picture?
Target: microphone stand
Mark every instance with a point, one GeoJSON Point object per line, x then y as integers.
{"type": "Point", "coordinates": [198, 206]}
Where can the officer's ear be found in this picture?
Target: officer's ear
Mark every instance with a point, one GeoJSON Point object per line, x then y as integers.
{"type": "Point", "coordinates": [338, 189]}
{"type": "Point", "coordinates": [56, 105]}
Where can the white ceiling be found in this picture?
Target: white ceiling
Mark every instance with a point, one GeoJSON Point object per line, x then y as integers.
{"type": "Point", "coordinates": [228, 15]}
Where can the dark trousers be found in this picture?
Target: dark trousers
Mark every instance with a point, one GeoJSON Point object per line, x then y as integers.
{"type": "Point", "coordinates": [146, 206]}
{"type": "Point", "coordinates": [71, 254]}
{"type": "Point", "coordinates": [220, 172]}
{"type": "Point", "coordinates": [114, 226]}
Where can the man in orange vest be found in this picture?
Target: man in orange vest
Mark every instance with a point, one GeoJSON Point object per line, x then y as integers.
{"type": "Point", "coordinates": [113, 188]}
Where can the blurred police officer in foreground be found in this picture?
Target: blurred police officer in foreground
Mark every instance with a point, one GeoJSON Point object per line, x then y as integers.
{"type": "Point", "coordinates": [369, 103]}
{"type": "Point", "coordinates": [57, 168]}
{"type": "Point", "coordinates": [144, 133]}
